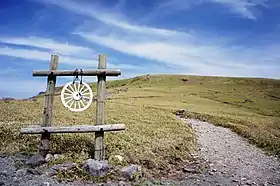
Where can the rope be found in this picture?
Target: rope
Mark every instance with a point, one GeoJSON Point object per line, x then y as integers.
{"type": "Point", "coordinates": [75, 78]}
{"type": "Point", "coordinates": [81, 76]}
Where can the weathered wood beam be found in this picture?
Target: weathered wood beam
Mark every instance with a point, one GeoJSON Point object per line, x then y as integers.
{"type": "Point", "coordinates": [72, 129]}
{"type": "Point", "coordinates": [45, 144]}
{"type": "Point", "coordinates": [99, 148]}
{"type": "Point", "coordinates": [104, 72]}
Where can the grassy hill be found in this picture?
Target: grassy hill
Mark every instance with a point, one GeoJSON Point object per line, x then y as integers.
{"type": "Point", "coordinates": [155, 138]}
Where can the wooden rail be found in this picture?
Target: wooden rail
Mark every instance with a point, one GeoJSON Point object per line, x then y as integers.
{"type": "Point", "coordinates": [104, 72]}
{"type": "Point", "coordinates": [72, 129]}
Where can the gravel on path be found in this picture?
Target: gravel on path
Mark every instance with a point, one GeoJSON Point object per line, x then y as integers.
{"type": "Point", "coordinates": [231, 159]}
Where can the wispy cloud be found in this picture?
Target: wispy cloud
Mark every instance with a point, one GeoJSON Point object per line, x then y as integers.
{"type": "Point", "coordinates": [49, 44]}
{"type": "Point", "coordinates": [198, 59]}
{"type": "Point", "coordinates": [37, 55]}
{"type": "Point", "coordinates": [190, 50]}
{"type": "Point", "coordinates": [245, 8]}
{"type": "Point", "coordinates": [105, 16]}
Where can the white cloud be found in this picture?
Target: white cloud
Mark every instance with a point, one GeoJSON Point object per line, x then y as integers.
{"type": "Point", "coordinates": [25, 54]}
{"type": "Point", "coordinates": [244, 8]}
{"type": "Point", "coordinates": [30, 54]}
{"type": "Point", "coordinates": [105, 16]}
{"type": "Point", "coordinates": [200, 59]}
{"type": "Point", "coordinates": [44, 43]}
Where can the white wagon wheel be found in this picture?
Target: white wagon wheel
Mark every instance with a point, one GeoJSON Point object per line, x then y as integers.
{"type": "Point", "coordinates": [76, 96]}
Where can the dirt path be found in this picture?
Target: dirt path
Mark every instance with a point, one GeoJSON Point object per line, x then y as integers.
{"type": "Point", "coordinates": [232, 160]}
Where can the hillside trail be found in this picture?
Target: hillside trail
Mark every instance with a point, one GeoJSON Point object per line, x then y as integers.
{"type": "Point", "coordinates": [225, 158]}
{"type": "Point", "coordinates": [230, 158]}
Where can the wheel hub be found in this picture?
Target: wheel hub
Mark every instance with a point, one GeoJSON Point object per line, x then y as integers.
{"type": "Point", "coordinates": [77, 96]}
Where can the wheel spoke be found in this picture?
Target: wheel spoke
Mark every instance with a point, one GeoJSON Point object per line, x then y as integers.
{"type": "Point", "coordinates": [70, 86]}
{"type": "Point", "coordinates": [68, 101]}
{"type": "Point", "coordinates": [79, 105]}
{"type": "Point", "coordinates": [82, 101]}
{"type": "Point", "coordinates": [75, 105]}
{"type": "Point", "coordinates": [84, 91]}
{"type": "Point", "coordinates": [71, 103]}
{"type": "Point", "coordinates": [69, 90]}
{"type": "Point", "coordinates": [65, 93]}
{"type": "Point", "coordinates": [67, 97]}
{"type": "Point", "coordinates": [79, 85]}
{"type": "Point", "coordinates": [86, 97]}
{"type": "Point", "coordinates": [81, 88]}
{"type": "Point", "coordinates": [75, 87]}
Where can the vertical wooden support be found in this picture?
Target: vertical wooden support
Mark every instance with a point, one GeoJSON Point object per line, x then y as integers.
{"type": "Point", "coordinates": [101, 86]}
{"type": "Point", "coordinates": [45, 144]}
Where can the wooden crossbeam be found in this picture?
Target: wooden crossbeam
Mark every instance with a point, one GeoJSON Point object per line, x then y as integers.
{"type": "Point", "coordinates": [72, 129]}
{"type": "Point", "coordinates": [104, 72]}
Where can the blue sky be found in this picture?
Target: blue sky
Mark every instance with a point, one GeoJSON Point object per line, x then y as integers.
{"type": "Point", "coordinates": [239, 38]}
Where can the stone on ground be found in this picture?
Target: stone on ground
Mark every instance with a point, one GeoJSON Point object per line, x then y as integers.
{"type": "Point", "coordinates": [128, 172]}
{"type": "Point", "coordinates": [96, 168]}
{"type": "Point", "coordinates": [35, 160]}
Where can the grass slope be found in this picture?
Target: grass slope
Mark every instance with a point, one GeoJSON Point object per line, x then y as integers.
{"type": "Point", "coordinates": [154, 137]}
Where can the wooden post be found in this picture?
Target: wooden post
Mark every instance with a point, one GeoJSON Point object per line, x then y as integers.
{"type": "Point", "coordinates": [45, 144]}
{"type": "Point", "coordinates": [99, 136]}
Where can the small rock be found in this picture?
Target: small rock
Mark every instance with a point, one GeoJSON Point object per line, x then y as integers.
{"type": "Point", "coordinates": [243, 179]}
{"type": "Point", "coordinates": [49, 157]}
{"type": "Point", "coordinates": [189, 170]}
{"type": "Point", "coordinates": [249, 183]}
{"type": "Point", "coordinates": [34, 171]}
{"type": "Point", "coordinates": [223, 172]}
{"type": "Point", "coordinates": [110, 184]}
{"type": "Point", "coordinates": [64, 166]}
{"type": "Point", "coordinates": [129, 171]}
{"type": "Point", "coordinates": [35, 160]}
{"type": "Point", "coordinates": [211, 173]}
{"type": "Point", "coordinates": [96, 168]}
{"type": "Point", "coordinates": [234, 180]}
{"type": "Point", "coordinates": [57, 156]}
{"type": "Point", "coordinates": [50, 172]}
{"type": "Point", "coordinates": [122, 183]}
{"type": "Point", "coordinates": [118, 158]}
{"type": "Point", "coordinates": [181, 112]}
{"type": "Point", "coordinates": [214, 170]}
{"type": "Point", "coordinates": [46, 184]}
{"type": "Point", "coordinates": [21, 172]}
{"type": "Point", "coordinates": [148, 183]}
{"type": "Point", "coordinates": [4, 173]}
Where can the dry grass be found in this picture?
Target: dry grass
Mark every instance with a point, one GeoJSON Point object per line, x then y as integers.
{"type": "Point", "coordinates": [154, 137]}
